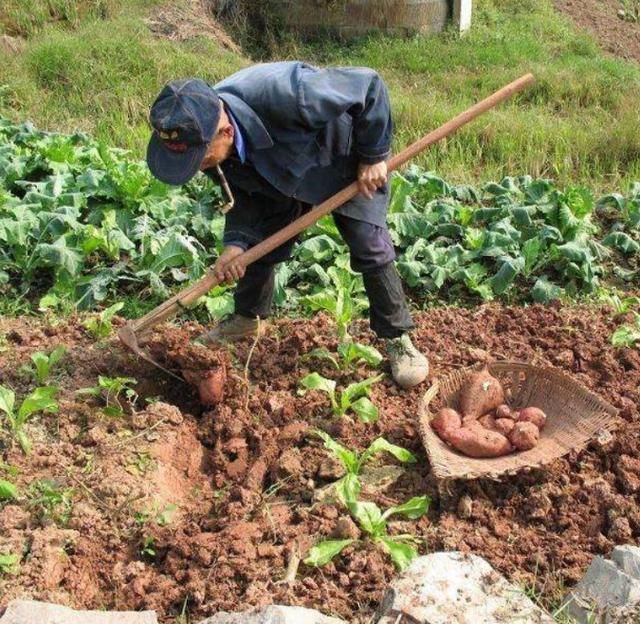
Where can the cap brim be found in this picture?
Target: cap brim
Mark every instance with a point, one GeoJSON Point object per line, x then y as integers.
{"type": "Point", "coordinates": [173, 167]}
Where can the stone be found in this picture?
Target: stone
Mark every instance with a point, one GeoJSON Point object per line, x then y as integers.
{"type": "Point", "coordinates": [450, 587]}
{"type": "Point", "coordinates": [34, 612]}
{"type": "Point", "coordinates": [274, 614]}
{"type": "Point", "coordinates": [606, 590]}
{"type": "Point", "coordinates": [627, 558]}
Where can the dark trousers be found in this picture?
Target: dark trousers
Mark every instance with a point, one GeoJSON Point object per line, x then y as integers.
{"type": "Point", "coordinates": [372, 254]}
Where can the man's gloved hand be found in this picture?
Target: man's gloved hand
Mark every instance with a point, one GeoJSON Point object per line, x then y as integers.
{"type": "Point", "coordinates": [226, 269]}
{"type": "Point", "coordinates": [371, 178]}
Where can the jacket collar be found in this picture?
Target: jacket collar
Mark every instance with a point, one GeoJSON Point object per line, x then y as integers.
{"type": "Point", "coordinates": [254, 130]}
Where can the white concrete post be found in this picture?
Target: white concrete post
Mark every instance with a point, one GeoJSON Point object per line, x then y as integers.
{"type": "Point", "coordinates": [462, 10]}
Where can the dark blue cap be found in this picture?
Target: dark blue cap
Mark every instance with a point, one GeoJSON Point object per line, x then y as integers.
{"type": "Point", "coordinates": [184, 118]}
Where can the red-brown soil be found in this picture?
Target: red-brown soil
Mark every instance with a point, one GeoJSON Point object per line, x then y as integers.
{"type": "Point", "coordinates": [222, 499]}
{"type": "Point", "coordinates": [600, 17]}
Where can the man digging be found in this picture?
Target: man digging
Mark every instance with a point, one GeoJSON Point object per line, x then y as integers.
{"type": "Point", "coordinates": [284, 137]}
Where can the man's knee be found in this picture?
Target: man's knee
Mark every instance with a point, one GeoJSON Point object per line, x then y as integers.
{"type": "Point", "coordinates": [370, 245]}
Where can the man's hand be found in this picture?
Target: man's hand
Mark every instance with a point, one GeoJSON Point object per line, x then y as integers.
{"type": "Point", "coordinates": [371, 178]}
{"type": "Point", "coordinates": [226, 269]}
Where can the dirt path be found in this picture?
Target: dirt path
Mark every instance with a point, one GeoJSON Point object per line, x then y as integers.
{"type": "Point", "coordinates": [600, 17]}
{"type": "Point", "coordinates": [171, 506]}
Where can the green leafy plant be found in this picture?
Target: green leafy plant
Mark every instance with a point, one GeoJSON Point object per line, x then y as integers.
{"type": "Point", "coordinates": [148, 546]}
{"type": "Point", "coordinates": [348, 487]}
{"type": "Point", "coordinates": [9, 563]}
{"type": "Point", "coordinates": [101, 326]}
{"type": "Point", "coordinates": [8, 490]}
{"type": "Point", "coordinates": [354, 397]}
{"type": "Point", "coordinates": [40, 400]}
{"type": "Point", "coordinates": [43, 363]}
{"type": "Point", "coordinates": [337, 298]}
{"type": "Point", "coordinates": [374, 523]}
{"type": "Point", "coordinates": [627, 335]}
{"type": "Point", "coordinates": [349, 353]}
{"type": "Point", "coordinates": [622, 305]}
{"type": "Point", "coordinates": [114, 391]}
{"type": "Point", "coordinates": [51, 500]}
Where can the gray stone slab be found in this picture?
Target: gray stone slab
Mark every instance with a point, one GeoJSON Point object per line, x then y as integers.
{"type": "Point", "coordinates": [274, 614]}
{"type": "Point", "coordinates": [627, 558]}
{"type": "Point", "coordinates": [448, 587]}
{"type": "Point", "coordinates": [34, 612]}
{"type": "Point", "coordinates": [603, 593]}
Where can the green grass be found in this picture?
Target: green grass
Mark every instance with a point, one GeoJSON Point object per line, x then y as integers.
{"type": "Point", "coordinates": [99, 70]}
{"type": "Point", "coordinates": [102, 75]}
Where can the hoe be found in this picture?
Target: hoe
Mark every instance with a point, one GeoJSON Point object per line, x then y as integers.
{"type": "Point", "coordinates": [132, 334]}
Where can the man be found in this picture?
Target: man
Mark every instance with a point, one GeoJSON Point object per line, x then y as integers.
{"type": "Point", "coordinates": [287, 136]}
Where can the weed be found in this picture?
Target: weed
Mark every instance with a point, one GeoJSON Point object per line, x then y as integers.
{"type": "Point", "coordinates": [8, 490]}
{"type": "Point", "coordinates": [51, 500]}
{"type": "Point", "coordinates": [140, 464]}
{"type": "Point", "coordinates": [101, 326]}
{"type": "Point", "coordinates": [40, 400]}
{"type": "Point", "coordinates": [9, 563]}
{"type": "Point", "coordinates": [627, 335]}
{"type": "Point", "coordinates": [114, 391]}
{"type": "Point", "coordinates": [44, 363]}
{"type": "Point", "coordinates": [354, 397]}
{"type": "Point", "coordinates": [148, 546]}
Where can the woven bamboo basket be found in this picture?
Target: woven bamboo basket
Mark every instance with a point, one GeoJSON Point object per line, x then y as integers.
{"type": "Point", "coordinates": [574, 416]}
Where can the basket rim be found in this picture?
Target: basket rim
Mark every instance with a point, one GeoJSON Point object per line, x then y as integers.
{"type": "Point", "coordinates": [603, 416]}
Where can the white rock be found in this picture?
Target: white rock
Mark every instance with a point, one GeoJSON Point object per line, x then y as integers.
{"type": "Point", "coordinates": [627, 558]}
{"type": "Point", "coordinates": [448, 587]}
{"type": "Point", "coordinates": [274, 614]}
{"type": "Point", "coordinates": [605, 591]}
{"type": "Point", "coordinates": [33, 612]}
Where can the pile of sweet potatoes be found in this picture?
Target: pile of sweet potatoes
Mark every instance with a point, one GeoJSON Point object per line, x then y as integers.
{"type": "Point", "coordinates": [484, 425]}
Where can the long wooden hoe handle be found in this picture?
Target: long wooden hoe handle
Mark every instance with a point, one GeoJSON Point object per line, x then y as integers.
{"type": "Point", "coordinates": [191, 294]}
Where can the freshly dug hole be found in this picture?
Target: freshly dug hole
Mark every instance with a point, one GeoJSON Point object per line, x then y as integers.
{"type": "Point", "coordinates": [202, 367]}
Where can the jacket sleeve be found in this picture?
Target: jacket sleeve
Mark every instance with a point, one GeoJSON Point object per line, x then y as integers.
{"type": "Point", "coordinates": [325, 94]}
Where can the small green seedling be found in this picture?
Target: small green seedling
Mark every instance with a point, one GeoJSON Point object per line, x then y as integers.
{"type": "Point", "coordinates": [349, 353]}
{"type": "Point", "coordinates": [40, 400]}
{"type": "Point", "coordinates": [8, 491]}
{"type": "Point", "coordinates": [102, 326]}
{"type": "Point", "coordinates": [354, 397]}
{"type": "Point", "coordinates": [627, 335]}
{"type": "Point", "coordinates": [622, 306]}
{"type": "Point", "coordinates": [348, 487]}
{"type": "Point", "coordinates": [43, 363]}
{"type": "Point", "coordinates": [52, 501]}
{"type": "Point", "coordinates": [112, 390]}
{"type": "Point", "coordinates": [147, 548]}
{"type": "Point", "coordinates": [374, 524]}
{"type": "Point", "coordinates": [9, 563]}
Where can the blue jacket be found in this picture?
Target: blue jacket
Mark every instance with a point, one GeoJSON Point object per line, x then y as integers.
{"type": "Point", "coordinates": [305, 131]}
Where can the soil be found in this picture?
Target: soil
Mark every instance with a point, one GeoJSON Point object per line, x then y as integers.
{"type": "Point", "coordinates": [176, 506]}
{"type": "Point", "coordinates": [600, 17]}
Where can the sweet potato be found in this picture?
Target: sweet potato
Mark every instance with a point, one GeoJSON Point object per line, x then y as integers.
{"type": "Point", "coordinates": [533, 415]}
{"type": "Point", "coordinates": [524, 436]}
{"type": "Point", "coordinates": [504, 411]}
{"type": "Point", "coordinates": [479, 443]}
{"type": "Point", "coordinates": [488, 422]}
{"type": "Point", "coordinates": [447, 419]}
{"type": "Point", "coordinates": [504, 425]}
{"type": "Point", "coordinates": [210, 384]}
{"type": "Point", "coordinates": [481, 394]}
{"type": "Point", "coordinates": [499, 425]}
